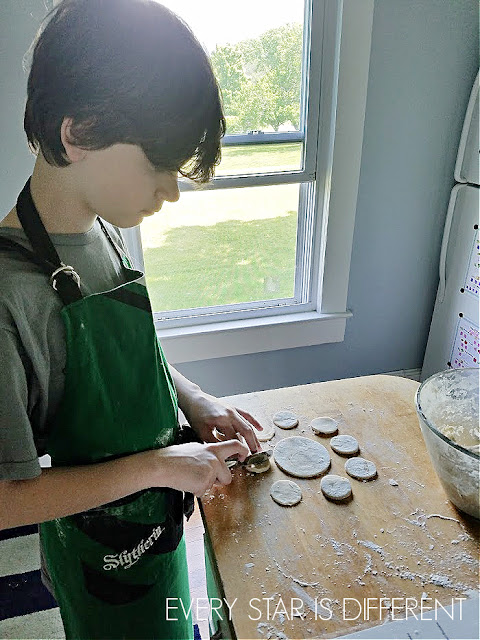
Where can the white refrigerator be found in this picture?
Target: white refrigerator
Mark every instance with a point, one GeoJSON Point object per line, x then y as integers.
{"type": "Point", "coordinates": [453, 341]}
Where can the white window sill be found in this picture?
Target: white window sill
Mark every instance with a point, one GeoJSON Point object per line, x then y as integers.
{"type": "Point", "coordinates": [239, 337]}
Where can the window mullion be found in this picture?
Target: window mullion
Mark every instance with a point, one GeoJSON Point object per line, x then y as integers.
{"type": "Point", "coordinates": [250, 180]}
{"type": "Point", "coordinates": [311, 83]}
{"type": "Point", "coordinates": [305, 243]}
{"type": "Point", "coordinates": [256, 138]}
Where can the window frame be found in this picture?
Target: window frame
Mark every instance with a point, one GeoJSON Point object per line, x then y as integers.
{"type": "Point", "coordinates": [338, 85]}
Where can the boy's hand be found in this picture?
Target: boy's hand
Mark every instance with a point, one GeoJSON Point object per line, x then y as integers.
{"type": "Point", "coordinates": [195, 467]}
{"type": "Point", "coordinates": [215, 421]}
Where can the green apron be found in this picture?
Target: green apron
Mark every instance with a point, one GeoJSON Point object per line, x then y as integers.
{"type": "Point", "coordinates": [113, 567]}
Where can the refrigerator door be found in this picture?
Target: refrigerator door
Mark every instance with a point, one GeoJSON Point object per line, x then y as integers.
{"type": "Point", "coordinates": [453, 341]}
{"type": "Point", "coordinates": [467, 165]}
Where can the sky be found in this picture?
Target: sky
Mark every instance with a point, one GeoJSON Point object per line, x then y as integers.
{"type": "Point", "coordinates": [221, 21]}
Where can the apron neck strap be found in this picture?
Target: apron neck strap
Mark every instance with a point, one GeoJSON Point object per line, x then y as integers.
{"type": "Point", "coordinates": [63, 278]}
{"type": "Point", "coordinates": [117, 250]}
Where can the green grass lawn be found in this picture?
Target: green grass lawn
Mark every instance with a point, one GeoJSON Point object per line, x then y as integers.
{"type": "Point", "coordinates": [251, 158]}
{"type": "Point", "coordinates": [228, 262]}
{"type": "Point", "coordinates": [241, 249]}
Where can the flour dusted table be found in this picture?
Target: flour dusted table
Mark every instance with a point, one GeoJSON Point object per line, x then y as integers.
{"type": "Point", "coordinates": [398, 538]}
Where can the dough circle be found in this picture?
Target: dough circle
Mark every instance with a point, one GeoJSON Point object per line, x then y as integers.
{"type": "Point", "coordinates": [286, 493]}
{"type": "Point", "coordinates": [285, 419]}
{"type": "Point", "coordinates": [324, 426]}
{"type": "Point", "coordinates": [344, 445]}
{"type": "Point", "coordinates": [267, 433]}
{"type": "Point", "coordinates": [301, 457]}
{"type": "Point", "coordinates": [335, 487]}
{"type": "Point", "coordinates": [360, 468]}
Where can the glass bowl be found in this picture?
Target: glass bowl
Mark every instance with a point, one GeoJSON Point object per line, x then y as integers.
{"type": "Point", "coordinates": [448, 413]}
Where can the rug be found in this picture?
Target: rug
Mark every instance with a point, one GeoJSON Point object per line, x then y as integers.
{"type": "Point", "coordinates": [27, 609]}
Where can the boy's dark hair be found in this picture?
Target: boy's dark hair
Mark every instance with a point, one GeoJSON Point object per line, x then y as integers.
{"type": "Point", "coordinates": [125, 71]}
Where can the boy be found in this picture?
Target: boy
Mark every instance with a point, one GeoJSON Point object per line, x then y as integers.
{"type": "Point", "coordinates": [121, 98]}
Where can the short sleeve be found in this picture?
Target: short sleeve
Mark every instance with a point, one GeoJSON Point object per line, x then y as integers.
{"type": "Point", "coordinates": [18, 454]}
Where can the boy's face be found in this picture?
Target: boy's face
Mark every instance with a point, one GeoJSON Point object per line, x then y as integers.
{"type": "Point", "coordinates": [120, 184]}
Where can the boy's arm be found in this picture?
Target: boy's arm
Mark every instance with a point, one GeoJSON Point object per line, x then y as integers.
{"type": "Point", "coordinates": [63, 491]}
{"type": "Point", "coordinates": [205, 413]}
{"type": "Point", "coordinates": [18, 451]}
{"type": "Point", "coordinates": [59, 492]}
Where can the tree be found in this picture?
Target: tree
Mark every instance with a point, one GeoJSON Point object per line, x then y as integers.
{"type": "Point", "coordinates": [227, 63]}
{"type": "Point", "coordinates": [261, 79]}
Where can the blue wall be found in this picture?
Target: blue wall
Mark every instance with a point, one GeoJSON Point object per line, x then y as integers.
{"type": "Point", "coordinates": [19, 21]}
{"type": "Point", "coordinates": [423, 63]}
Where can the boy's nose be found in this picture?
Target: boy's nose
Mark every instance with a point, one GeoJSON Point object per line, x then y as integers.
{"type": "Point", "coordinates": [168, 189]}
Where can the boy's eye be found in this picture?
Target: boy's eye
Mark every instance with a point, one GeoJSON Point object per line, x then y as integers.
{"type": "Point", "coordinates": [159, 169]}
{"type": "Point", "coordinates": [162, 168]}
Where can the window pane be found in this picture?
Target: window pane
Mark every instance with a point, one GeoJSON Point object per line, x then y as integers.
{"type": "Point", "coordinates": [260, 158]}
{"type": "Point", "coordinates": [256, 53]}
{"type": "Point", "coordinates": [220, 247]}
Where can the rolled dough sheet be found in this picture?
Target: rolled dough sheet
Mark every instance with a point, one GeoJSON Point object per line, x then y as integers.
{"type": "Point", "coordinates": [360, 468]}
{"type": "Point", "coordinates": [301, 457]}
{"type": "Point", "coordinates": [344, 445]}
{"type": "Point", "coordinates": [336, 488]}
{"type": "Point", "coordinates": [285, 419]}
{"type": "Point", "coordinates": [324, 426]}
{"type": "Point", "coordinates": [286, 493]}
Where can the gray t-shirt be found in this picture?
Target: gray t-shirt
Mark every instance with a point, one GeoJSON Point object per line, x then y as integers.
{"type": "Point", "coordinates": [32, 339]}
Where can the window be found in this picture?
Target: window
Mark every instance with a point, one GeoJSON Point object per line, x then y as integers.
{"type": "Point", "coordinates": [257, 255]}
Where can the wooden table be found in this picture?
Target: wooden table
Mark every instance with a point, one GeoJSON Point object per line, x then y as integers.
{"type": "Point", "coordinates": [399, 537]}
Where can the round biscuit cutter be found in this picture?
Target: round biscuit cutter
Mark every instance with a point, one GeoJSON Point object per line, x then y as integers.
{"type": "Point", "coordinates": [258, 459]}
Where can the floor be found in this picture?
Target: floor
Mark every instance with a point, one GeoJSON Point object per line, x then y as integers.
{"type": "Point", "coordinates": [196, 566]}
{"type": "Point", "coordinates": [19, 581]}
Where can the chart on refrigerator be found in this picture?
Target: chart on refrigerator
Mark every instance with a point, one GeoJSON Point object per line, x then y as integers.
{"type": "Point", "coordinates": [466, 347]}
{"type": "Point", "coordinates": [472, 279]}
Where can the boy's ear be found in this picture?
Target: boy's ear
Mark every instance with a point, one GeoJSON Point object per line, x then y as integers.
{"type": "Point", "coordinates": [74, 153]}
